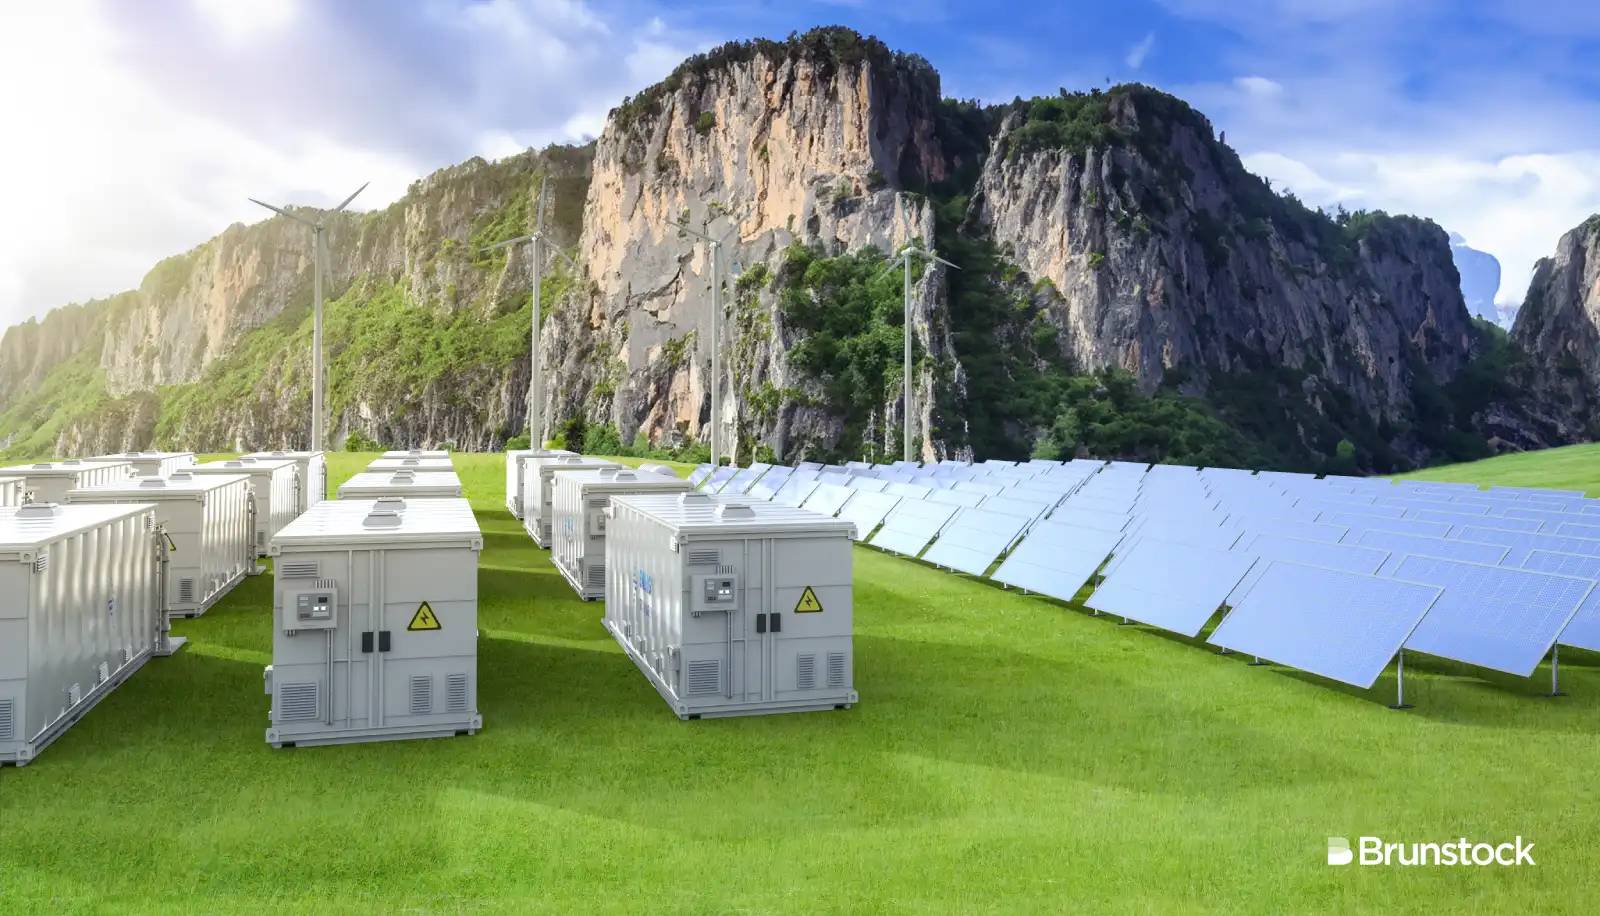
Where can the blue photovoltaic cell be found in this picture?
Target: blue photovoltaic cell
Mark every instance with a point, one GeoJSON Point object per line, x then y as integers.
{"type": "Point", "coordinates": [1326, 509]}
{"type": "Point", "coordinates": [1535, 491]}
{"type": "Point", "coordinates": [1423, 503]}
{"type": "Point", "coordinates": [1336, 501]}
{"type": "Point", "coordinates": [699, 474]}
{"type": "Point", "coordinates": [1284, 476]}
{"type": "Point", "coordinates": [1305, 531]}
{"type": "Point", "coordinates": [828, 499]}
{"type": "Point", "coordinates": [1245, 513]}
{"type": "Point", "coordinates": [1550, 518]}
{"type": "Point", "coordinates": [912, 490]}
{"type": "Point", "coordinates": [867, 511]}
{"type": "Point", "coordinates": [1436, 486]}
{"type": "Point", "coordinates": [1401, 546]}
{"type": "Point", "coordinates": [1050, 568]}
{"type": "Point", "coordinates": [1343, 626]}
{"type": "Point", "coordinates": [796, 490]}
{"type": "Point", "coordinates": [973, 541]}
{"type": "Point", "coordinates": [1576, 530]}
{"type": "Point", "coordinates": [868, 484]}
{"type": "Point", "coordinates": [965, 499]}
{"type": "Point", "coordinates": [1521, 543]}
{"type": "Point", "coordinates": [1492, 616]}
{"type": "Point", "coordinates": [1343, 557]}
{"type": "Point", "coordinates": [1172, 586]}
{"type": "Point", "coordinates": [1559, 503]}
{"type": "Point", "coordinates": [1086, 518]}
{"type": "Point", "coordinates": [1026, 510]}
{"type": "Point", "coordinates": [910, 532]}
{"type": "Point", "coordinates": [1098, 504]}
{"type": "Point", "coordinates": [1048, 498]}
{"type": "Point", "coordinates": [1359, 525]}
{"type": "Point", "coordinates": [1083, 540]}
{"type": "Point", "coordinates": [1583, 630]}
{"type": "Point", "coordinates": [1477, 521]}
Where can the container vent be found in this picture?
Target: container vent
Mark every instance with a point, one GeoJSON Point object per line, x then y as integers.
{"type": "Point", "coordinates": [455, 693]}
{"type": "Point", "coordinates": [42, 562]}
{"type": "Point", "coordinates": [104, 672]}
{"type": "Point", "coordinates": [806, 677]}
{"type": "Point", "coordinates": [596, 574]}
{"type": "Point", "coordinates": [127, 654]}
{"type": "Point", "coordinates": [261, 537]}
{"type": "Point", "coordinates": [299, 702]}
{"type": "Point", "coordinates": [74, 695]}
{"type": "Point", "coordinates": [8, 716]}
{"type": "Point", "coordinates": [734, 511]}
{"type": "Point", "coordinates": [421, 694]}
{"type": "Point", "coordinates": [186, 590]}
{"type": "Point", "coordinates": [149, 523]}
{"type": "Point", "coordinates": [705, 557]}
{"type": "Point", "coordinates": [599, 502]}
{"type": "Point", "coordinates": [835, 669]}
{"type": "Point", "coordinates": [300, 569]}
{"type": "Point", "coordinates": [39, 510]}
{"type": "Point", "coordinates": [705, 677]}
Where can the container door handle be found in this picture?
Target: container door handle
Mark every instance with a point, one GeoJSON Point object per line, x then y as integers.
{"type": "Point", "coordinates": [777, 622]}
{"type": "Point", "coordinates": [761, 623]}
{"type": "Point", "coordinates": [366, 642]}
{"type": "Point", "coordinates": [383, 641]}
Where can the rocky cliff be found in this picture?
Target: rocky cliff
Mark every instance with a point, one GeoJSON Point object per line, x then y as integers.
{"type": "Point", "coordinates": [1125, 288]}
{"type": "Point", "coordinates": [1558, 324]}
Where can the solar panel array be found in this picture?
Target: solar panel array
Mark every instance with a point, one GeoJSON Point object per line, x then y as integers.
{"type": "Point", "coordinates": [1333, 575]}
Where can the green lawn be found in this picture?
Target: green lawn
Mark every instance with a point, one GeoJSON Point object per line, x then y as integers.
{"type": "Point", "coordinates": [1009, 755]}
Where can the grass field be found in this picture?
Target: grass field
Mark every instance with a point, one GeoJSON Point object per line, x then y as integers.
{"type": "Point", "coordinates": [1009, 755]}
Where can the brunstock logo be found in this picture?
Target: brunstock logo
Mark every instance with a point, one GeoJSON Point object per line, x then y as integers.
{"type": "Point", "coordinates": [1461, 852]}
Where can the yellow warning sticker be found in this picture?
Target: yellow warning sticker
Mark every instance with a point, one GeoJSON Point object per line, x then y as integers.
{"type": "Point", "coordinates": [172, 546]}
{"type": "Point", "coordinates": [424, 619]}
{"type": "Point", "coordinates": [808, 603]}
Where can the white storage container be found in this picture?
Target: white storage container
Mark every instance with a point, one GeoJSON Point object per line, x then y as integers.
{"type": "Point", "coordinates": [651, 467]}
{"type": "Point", "coordinates": [49, 481]}
{"type": "Point", "coordinates": [518, 463]}
{"type": "Point", "coordinates": [732, 607]}
{"type": "Point", "coordinates": [411, 464]}
{"type": "Point", "coordinates": [275, 485]}
{"type": "Point", "coordinates": [152, 464]}
{"type": "Point", "coordinates": [10, 491]}
{"type": "Point", "coordinates": [207, 522]}
{"type": "Point", "coordinates": [373, 484]}
{"type": "Point", "coordinates": [538, 491]}
{"type": "Point", "coordinates": [313, 468]}
{"type": "Point", "coordinates": [416, 453]}
{"type": "Point", "coordinates": [375, 623]}
{"type": "Point", "coordinates": [579, 520]}
{"type": "Point", "coordinates": [77, 617]}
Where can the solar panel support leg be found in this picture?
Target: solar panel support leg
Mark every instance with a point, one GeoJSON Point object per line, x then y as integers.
{"type": "Point", "coordinates": [1555, 672]}
{"type": "Point", "coordinates": [1400, 681]}
{"type": "Point", "coordinates": [1258, 663]}
{"type": "Point", "coordinates": [1126, 623]}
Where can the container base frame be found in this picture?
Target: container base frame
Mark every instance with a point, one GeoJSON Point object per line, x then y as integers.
{"type": "Point", "coordinates": [367, 735]}
{"type": "Point", "coordinates": [189, 613]}
{"type": "Point", "coordinates": [587, 594]}
{"type": "Point", "coordinates": [538, 536]}
{"type": "Point", "coordinates": [515, 508]}
{"type": "Point", "coordinates": [31, 748]}
{"type": "Point", "coordinates": [758, 708]}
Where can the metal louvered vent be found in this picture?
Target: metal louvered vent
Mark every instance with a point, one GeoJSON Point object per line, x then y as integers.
{"type": "Point", "coordinates": [104, 672]}
{"type": "Point", "coordinates": [42, 562]}
{"type": "Point", "coordinates": [149, 523]}
{"type": "Point", "coordinates": [455, 693]}
{"type": "Point", "coordinates": [299, 701]}
{"type": "Point", "coordinates": [705, 677]}
{"type": "Point", "coordinates": [299, 569]}
{"type": "Point", "coordinates": [127, 654]}
{"type": "Point", "coordinates": [806, 676]}
{"type": "Point", "coordinates": [421, 694]}
{"type": "Point", "coordinates": [186, 591]}
{"type": "Point", "coordinates": [596, 574]}
{"type": "Point", "coordinates": [835, 669]}
{"type": "Point", "coordinates": [599, 502]}
{"type": "Point", "coordinates": [7, 718]}
{"type": "Point", "coordinates": [705, 557]}
{"type": "Point", "coordinates": [74, 695]}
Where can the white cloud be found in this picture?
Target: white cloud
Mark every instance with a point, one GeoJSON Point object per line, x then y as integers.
{"type": "Point", "coordinates": [1259, 87]}
{"type": "Point", "coordinates": [238, 20]}
{"type": "Point", "coordinates": [1140, 51]}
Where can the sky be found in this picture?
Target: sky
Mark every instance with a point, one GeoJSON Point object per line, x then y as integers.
{"type": "Point", "coordinates": [136, 130]}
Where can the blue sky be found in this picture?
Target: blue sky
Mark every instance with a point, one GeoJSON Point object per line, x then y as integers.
{"type": "Point", "coordinates": [149, 123]}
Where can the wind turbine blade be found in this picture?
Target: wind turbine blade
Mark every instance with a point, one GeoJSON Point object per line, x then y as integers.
{"type": "Point", "coordinates": [738, 222]}
{"type": "Point", "coordinates": [280, 211]}
{"type": "Point", "coordinates": [890, 269]}
{"type": "Point", "coordinates": [944, 262]}
{"type": "Point", "coordinates": [346, 201]}
{"type": "Point", "coordinates": [518, 239]}
{"type": "Point", "coordinates": [695, 233]}
{"type": "Point", "coordinates": [563, 256]}
{"type": "Point", "coordinates": [543, 185]}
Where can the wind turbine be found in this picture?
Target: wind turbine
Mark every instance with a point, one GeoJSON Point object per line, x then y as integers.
{"type": "Point", "coordinates": [911, 249]}
{"type": "Point", "coordinates": [715, 244]}
{"type": "Point", "coordinates": [539, 244]}
{"type": "Point", "coordinates": [319, 254]}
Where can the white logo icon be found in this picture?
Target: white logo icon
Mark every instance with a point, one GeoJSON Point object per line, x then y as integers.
{"type": "Point", "coordinates": [1339, 851]}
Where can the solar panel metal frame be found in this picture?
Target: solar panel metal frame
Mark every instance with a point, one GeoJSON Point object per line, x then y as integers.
{"type": "Point", "coordinates": [1176, 587]}
{"type": "Point", "coordinates": [1484, 608]}
{"type": "Point", "coordinates": [1339, 625]}
{"type": "Point", "coordinates": [1578, 530]}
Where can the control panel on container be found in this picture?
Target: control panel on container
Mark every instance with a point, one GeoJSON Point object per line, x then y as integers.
{"type": "Point", "coordinates": [714, 593]}
{"type": "Point", "coordinates": [313, 608]}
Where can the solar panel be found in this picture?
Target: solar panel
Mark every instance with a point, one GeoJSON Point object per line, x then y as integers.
{"type": "Point", "coordinates": [699, 474]}
{"type": "Point", "coordinates": [1089, 503]}
{"type": "Point", "coordinates": [1341, 625]}
{"type": "Point", "coordinates": [867, 510]}
{"type": "Point", "coordinates": [1438, 486]}
{"type": "Point", "coordinates": [1550, 518]}
{"type": "Point", "coordinates": [965, 499]}
{"type": "Point", "coordinates": [796, 490]}
{"type": "Point", "coordinates": [1359, 481]}
{"type": "Point", "coordinates": [828, 499]}
{"type": "Point", "coordinates": [1305, 531]}
{"type": "Point", "coordinates": [1021, 508]}
{"type": "Point", "coordinates": [1575, 530]}
{"type": "Point", "coordinates": [1563, 503]}
{"type": "Point", "coordinates": [1343, 557]}
{"type": "Point", "coordinates": [1087, 518]}
{"type": "Point", "coordinates": [1048, 498]}
{"type": "Point", "coordinates": [987, 489]}
{"type": "Point", "coordinates": [912, 490]}
{"type": "Point", "coordinates": [1172, 586]}
{"type": "Point", "coordinates": [1583, 630]}
{"type": "Point", "coordinates": [809, 466]}
{"type": "Point", "coordinates": [836, 478]}
{"type": "Point", "coordinates": [911, 526]}
{"type": "Point", "coordinates": [973, 541]}
{"type": "Point", "coordinates": [1521, 543]}
{"type": "Point", "coordinates": [1288, 476]}
{"type": "Point", "coordinates": [719, 478]}
{"type": "Point", "coordinates": [1536, 491]}
{"type": "Point", "coordinates": [1089, 463]}
{"type": "Point", "coordinates": [1050, 568]}
{"type": "Point", "coordinates": [771, 482]}
{"type": "Point", "coordinates": [1359, 524]}
{"type": "Point", "coordinates": [1401, 546]}
{"type": "Point", "coordinates": [1492, 616]}
{"type": "Point", "coordinates": [1087, 540]}
{"type": "Point", "coordinates": [745, 479]}
{"type": "Point", "coordinates": [868, 484]}
{"type": "Point", "coordinates": [1423, 503]}
{"type": "Point", "coordinates": [1589, 507]}
{"type": "Point", "coordinates": [1478, 521]}
{"type": "Point", "coordinates": [1335, 501]}
{"type": "Point", "coordinates": [1138, 467]}
{"type": "Point", "coordinates": [1243, 515]}
{"type": "Point", "coordinates": [1228, 473]}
